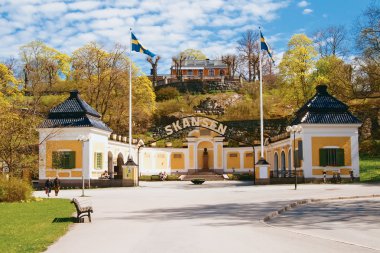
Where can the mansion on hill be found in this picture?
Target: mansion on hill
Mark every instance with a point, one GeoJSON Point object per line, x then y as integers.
{"type": "Point", "coordinates": [76, 142]}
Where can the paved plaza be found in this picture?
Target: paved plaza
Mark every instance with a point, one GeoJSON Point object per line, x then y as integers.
{"type": "Point", "coordinates": [225, 217]}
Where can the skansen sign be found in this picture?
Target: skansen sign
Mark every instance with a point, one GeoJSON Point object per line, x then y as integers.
{"type": "Point", "coordinates": [190, 122]}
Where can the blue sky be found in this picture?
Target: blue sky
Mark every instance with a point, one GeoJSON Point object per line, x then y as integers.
{"type": "Point", "coordinates": [166, 27]}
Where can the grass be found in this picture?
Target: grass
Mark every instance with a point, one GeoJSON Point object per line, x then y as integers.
{"type": "Point", "coordinates": [33, 226]}
{"type": "Point", "coordinates": [369, 169]}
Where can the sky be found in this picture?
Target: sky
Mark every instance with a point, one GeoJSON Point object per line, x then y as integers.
{"type": "Point", "coordinates": [167, 27]}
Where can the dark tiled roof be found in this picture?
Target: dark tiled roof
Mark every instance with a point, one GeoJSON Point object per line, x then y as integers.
{"type": "Point", "coordinates": [323, 108]}
{"type": "Point", "coordinates": [74, 112]}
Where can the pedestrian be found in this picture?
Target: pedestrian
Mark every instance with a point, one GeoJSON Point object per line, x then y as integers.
{"type": "Point", "coordinates": [324, 176]}
{"type": "Point", "coordinates": [48, 185]}
{"type": "Point", "coordinates": [57, 186]}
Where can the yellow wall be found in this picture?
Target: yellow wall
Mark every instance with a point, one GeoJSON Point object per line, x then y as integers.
{"type": "Point", "coordinates": [220, 156]}
{"type": "Point", "coordinates": [210, 151]}
{"type": "Point", "coordinates": [64, 145]}
{"type": "Point", "coordinates": [147, 160]}
{"type": "Point", "coordinates": [233, 162]}
{"type": "Point", "coordinates": [341, 142]}
{"type": "Point", "coordinates": [162, 161]}
{"type": "Point", "coordinates": [191, 156]}
{"type": "Point", "coordinates": [177, 163]}
{"type": "Point", "coordinates": [248, 161]}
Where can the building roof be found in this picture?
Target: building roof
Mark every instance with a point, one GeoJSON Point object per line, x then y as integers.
{"type": "Point", "coordinates": [199, 64]}
{"type": "Point", "coordinates": [323, 108]}
{"type": "Point", "coordinates": [74, 112]}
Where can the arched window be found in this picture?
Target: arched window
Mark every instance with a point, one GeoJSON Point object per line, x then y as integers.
{"type": "Point", "coordinates": [283, 165]}
{"type": "Point", "coordinates": [275, 168]}
{"type": "Point", "coordinates": [290, 160]}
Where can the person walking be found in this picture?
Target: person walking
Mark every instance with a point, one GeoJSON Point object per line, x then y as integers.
{"type": "Point", "coordinates": [57, 186]}
{"type": "Point", "coordinates": [48, 186]}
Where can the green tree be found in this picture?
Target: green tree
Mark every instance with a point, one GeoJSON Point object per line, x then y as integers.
{"type": "Point", "coordinates": [167, 93]}
{"type": "Point", "coordinates": [336, 74]}
{"type": "Point", "coordinates": [193, 54]}
{"type": "Point", "coordinates": [296, 68]}
{"type": "Point", "coordinates": [103, 78]}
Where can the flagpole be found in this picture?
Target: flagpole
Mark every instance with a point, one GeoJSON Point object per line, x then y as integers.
{"type": "Point", "coordinates": [130, 94]}
{"type": "Point", "coordinates": [261, 100]}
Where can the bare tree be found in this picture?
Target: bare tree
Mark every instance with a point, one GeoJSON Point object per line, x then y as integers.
{"type": "Point", "coordinates": [154, 64]}
{"type": "Point", "coordinates": [178, 62]}
{"type": "Point", "coordinates": [248, 47]}
{"type": "Point", "coordinates": [331, 41]}
{"type": "Point", "coordinates": [232, 64]}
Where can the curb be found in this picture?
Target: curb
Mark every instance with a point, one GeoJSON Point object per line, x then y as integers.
{"type": "Point", "coordinates": [308, 201]}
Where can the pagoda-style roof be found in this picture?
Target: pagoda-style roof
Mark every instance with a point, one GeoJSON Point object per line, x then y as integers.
{"type": "Point", "coordinates": [74, 112]}
{"type": "Point", "coordinates": [323, 108]}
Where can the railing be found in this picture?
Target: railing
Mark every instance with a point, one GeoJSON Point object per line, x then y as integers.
{"type": "Point", "coordinates": [286, 174]}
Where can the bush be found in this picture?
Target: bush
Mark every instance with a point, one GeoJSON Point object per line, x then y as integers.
{"type": "Point", "coordinates": [14, 189]}
{"type": "Point", "coordinates": [172, 178]}
{"type": "Point", "coordinates": [198, 180]}
{"type": "Point", "coordinates": [167, 93]}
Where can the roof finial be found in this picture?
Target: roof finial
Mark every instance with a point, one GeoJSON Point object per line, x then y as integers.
{"type": "Point", "coordinates": [322, 89]}
{"type": "Point", "coordinates": [74, 93]}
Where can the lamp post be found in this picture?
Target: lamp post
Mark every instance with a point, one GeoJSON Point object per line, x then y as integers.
{"type": "Point", "coordinates": [83, 139]}
{"type": "Point", "coordinates": [294, 129]}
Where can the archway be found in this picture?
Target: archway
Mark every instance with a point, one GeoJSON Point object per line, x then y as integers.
{"type": "Point", "coordinates": [120, 163]}
{"type": "Point", "coordinates": [283, 165]}
{"type": "Point", "coordinates": [205, 155]}
{"type": "Point", "coordinates": [290, 161]}
{"type": "Point", "coordinates": [275, 165]}
{"type": "Point", "coordinates": [110, 164]}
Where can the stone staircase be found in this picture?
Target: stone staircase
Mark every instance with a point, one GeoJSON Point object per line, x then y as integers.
{"type": "Point", "coordinates": [207, 175]}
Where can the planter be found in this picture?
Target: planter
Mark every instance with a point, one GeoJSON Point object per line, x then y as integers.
{"type": "Point", "coordinates": [198, 180]}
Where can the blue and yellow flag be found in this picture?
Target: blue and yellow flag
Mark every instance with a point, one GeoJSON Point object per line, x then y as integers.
{"type": "Point", "coordinates": [136, 46]}
{"type": "Point", "coordinates": [264, 46]}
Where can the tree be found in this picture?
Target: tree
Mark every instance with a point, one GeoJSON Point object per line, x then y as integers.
{"type": "Point", "coordinates": [6, 76]}
{"type": "Point", "coordinates": [18, 137]}
{"type": "Point", "coordinates": [248, 47]}
{"type": "Point", "coordinates": [154, 64]}
{"type": "Point", "coordinates": [232, 63]}
{"type": "Point", "coordinates": [178, 62]}
{"type": "Point", "coordinates": [368, 43]}
{"type": "Point", "coordinates": [336, 74]}
{"type": "Point", "coordinates": [103, 78]}
{"type": "Point", "coordinates": [193, 54]}
{"type": "Point", "coordinates": [295, 69]}
{"type": "Point", "coordinates": [331, 41]}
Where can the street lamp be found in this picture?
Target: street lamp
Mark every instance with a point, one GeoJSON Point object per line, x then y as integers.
{"type": "Point", "coordinates": [83, 139]}
{"type": "Point", "coordinates": [294, 129]}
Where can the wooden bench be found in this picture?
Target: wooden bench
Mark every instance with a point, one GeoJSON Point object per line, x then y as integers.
{"type": "Point", "coordinates": [82, 210]}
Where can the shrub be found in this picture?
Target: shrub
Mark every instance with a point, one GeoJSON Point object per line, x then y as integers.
{"type": "Point", "coordinates": [172, 178]}
{"type": "Point", "coordinates": [167, 93]}
{"type": "Point", "coordinates": [14, 189]}
{"type": "Point", "coordinates": [198, 180]}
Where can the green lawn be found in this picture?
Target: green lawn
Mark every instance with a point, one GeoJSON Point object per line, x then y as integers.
{"type": "Point", "coordinates": [369, 169]}
{"type": "Point", "coordinates": [32, 227]}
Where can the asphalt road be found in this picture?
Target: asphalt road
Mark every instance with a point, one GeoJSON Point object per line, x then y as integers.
{"type": "Point", "coordinates": [223, 217]}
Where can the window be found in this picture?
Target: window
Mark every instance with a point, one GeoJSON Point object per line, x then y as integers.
{"type": "Point", "coordinates": [331, 157]}
{"type": "Point", "coordinates": [212, 72]}
{"type": "Point", "coordinates": [64, 159]}
{"type": "Point", "coordinates": [98, 163]}
{"type": "Point", "coordinates": [233, 155]}
{"type": "Point", "coordinates": [249, 155]}
{"type": "Point", "coordinates": [177, 156]}
{"type": "Point", "coordinates": [190, 72]}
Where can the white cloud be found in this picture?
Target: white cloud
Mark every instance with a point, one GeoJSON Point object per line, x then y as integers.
{"type": "Point", "coordinates": [165, 27]}
{"type": "Point", "coordinates": [303, 4]}
{"type": "Point", "coordinates": [307, 11]}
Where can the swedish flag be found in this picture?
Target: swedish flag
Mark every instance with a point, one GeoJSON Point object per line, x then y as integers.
{"type": "Point", "coordinates": [264, 46]}
{"type": "Point", "coordinates": [136, 46]}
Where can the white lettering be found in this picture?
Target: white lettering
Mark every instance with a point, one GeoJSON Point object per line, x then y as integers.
{"type": "Point", "coordinates": [194, 121]}
{"type": "Point", "coordinates": [205, 122]}
{"type": "Point", "coordinates": [213, 125]}
{"type": "Point", "coordinates": [168, 130]}
{"type": "Point", "coordinates": [185, 123]}
{"type": "Point", "coordinates": [222, 129]}
{"type": "Point", "coordinates": [176, 126]}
